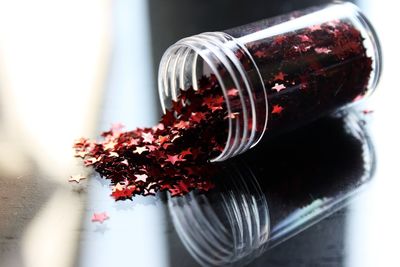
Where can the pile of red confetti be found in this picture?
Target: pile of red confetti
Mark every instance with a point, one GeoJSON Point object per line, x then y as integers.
{"type": "Point", "coordinates": [307, 73]}
{"type": "Point", "coordinates": [171, 155]}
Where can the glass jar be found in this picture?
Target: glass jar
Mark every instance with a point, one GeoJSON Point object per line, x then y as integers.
{"type": "Point", "coordinates": [287, 70]}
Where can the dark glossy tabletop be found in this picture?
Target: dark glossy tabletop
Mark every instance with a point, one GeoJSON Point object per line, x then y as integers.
{"type": "Point", "coordinates": [72, 68]}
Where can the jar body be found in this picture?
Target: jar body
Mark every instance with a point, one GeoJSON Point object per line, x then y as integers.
{"type": "Point", "coordinates": [287, 70]}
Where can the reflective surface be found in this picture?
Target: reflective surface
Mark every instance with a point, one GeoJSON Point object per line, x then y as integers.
{"type": "Point", "coordinates": [71, 68]}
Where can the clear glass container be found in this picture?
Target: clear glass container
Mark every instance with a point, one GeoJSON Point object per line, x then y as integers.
{"type": "Point", "coordinates": [288, 70]}
{"type": "Point", "coordinates": [261, 200]}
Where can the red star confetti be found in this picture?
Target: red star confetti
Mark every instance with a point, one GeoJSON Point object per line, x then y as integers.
{"type": "Point", "coordinates": [141, 177]}
{"type": "Point", "coordinates": [279, 76]}
{"type": "Point", "coordinates": [174, 154]}
{"type": "Point", "coordinates": [100, 217]}
{"type": "Point", "coordinates": [147, 138]}
{"type": "Point", "coordinates": [322, 50]}
{"type": "Point", "coordinates": [173, 159]}
{"type": "Point", "coordinates": [140, 150]}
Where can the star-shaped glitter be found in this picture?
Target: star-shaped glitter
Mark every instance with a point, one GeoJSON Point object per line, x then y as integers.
{"type": "Point", "coordinates": [92, 160]}
{"type": "Point", "coordinates": [100, 217]}
{"type": "Point", "coordinates": [260, 54]}
{"type": "Point", "coordinates": [76, 178]}
{"type": "Point", "coordinates": [109, 145]}
{"type": "Point", "coordinates": [113, 154]}
{"type": "Point", "coordinates": [162, 139]}
{"type": "Point", "coordinates": [232, 115]}
{"type": "Point", "coordinates": [215, 108]}
{"type": "Point", "coordinates": [80, 154]}
{"type": "Point", "coordinates": [168, 117]}
{"type": "Point", "coordinates": [181, 125]}
{"type": "Point", "coordinates": [147, 138]}
{"type": "Point", "coordinates": [141, 177]}
{"type": "Point", "coordinates": [185, 153]}
{"type": "Point", "coordinates": [279, 39]}
{"type": "Point", "coordinates": [276, 109]}
{"type": "Point", "coordinates": [233, 92]}
{"type": "Point", "coordinates": [140, 149]}
{"type": "Point", "coordinates": [304, 38]}
{"type": "Point", "coordinates": [279, 76]}
{"type": "Point", "coordinates": [151, 148]}
{"type": "Point", "coordinates": [173, 159]}
{"type": "Point", "coordinates": [315, 28]}
{"type": "Point", "coordinates": [118, 186]}
{"type": "Point", "coordinates": [133, 142]}
{"type": "Point", "coordinates": [198, 116]}
{"type": "Point", "coordinates": [322, 50]}
{"type": "Point", "coordinates": [278, 87]}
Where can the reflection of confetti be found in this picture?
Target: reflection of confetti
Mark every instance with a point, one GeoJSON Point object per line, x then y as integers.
{"type": "Point", "coordinates": [276, 109]}
{"type": "Point", "coordinates": [100, 217]}
{"type": "Point", "coordinates": [278, 87]}
{"type": "Point", "coordinates": [101, 228]}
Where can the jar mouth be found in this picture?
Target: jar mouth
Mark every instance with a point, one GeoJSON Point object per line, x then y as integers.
{"type": "Point", "coordinates": [218, 54]}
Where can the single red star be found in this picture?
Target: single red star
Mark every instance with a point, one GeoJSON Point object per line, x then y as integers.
{"type": "Point", "coordinates": [100, 217]}
{"type": "Point", "coordinates": [277, 109]}
{"type": "Point", "coordinates": [280, 76]}
{"type": "Point", "coordinates": [147, 138]}
{"type": "Point", "coordinates": [198, 116]}
{"type": "Point", "coordinates": [162, 139]}
{"type": "Point", "coordinates": [133, 142]}
{"type": "Point", "coordinates": [315, 28]}
{"type": "Point", "coordinates": [278, 87]}
{"type": "Point", "coordinates": [109, 145]}
{"type": "Point", "coordinates": [233, 92]}
{"type": "Point", "coordinates": [232, 115]}
{"type": "Point", "coordinates": [152, 148]}
{"type": "Point", "coordinates": [260, 54]}
{"type": "Point", "coordinates": [322, 50]}
{"type": "Point", "coordinates": [141, 177]}
{"type": "Point", "coordinates": [304, 38]}
{"type": "Point", "coordinates": [182, 125]}
{"type": "Point", "coordinates": [113, 154]}
{"type": "Point", "coordinates": [140, 149]}
{"type": "Point", "coordinates": [185, 153]}
{"type": "Point", "coordinates": [215, 108]}
{"type": "Point", "coordinates": [279, 39]}
{"type": "Point", "coordinates": [168, 117]}
{"type": "Point", "coordinates": [173, 159]}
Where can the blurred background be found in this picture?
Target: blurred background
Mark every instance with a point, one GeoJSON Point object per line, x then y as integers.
{"type": "Point", "coordinates": [71, 68]}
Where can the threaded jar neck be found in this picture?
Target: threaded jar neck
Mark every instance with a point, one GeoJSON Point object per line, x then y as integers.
{"type": "Point", "coordinates": [219, 54]}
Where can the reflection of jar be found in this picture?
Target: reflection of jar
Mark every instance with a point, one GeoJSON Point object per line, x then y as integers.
{"type": "Point", "coordinates": [261, 201]}
{"type": "Point", "coordinates": [288, 70]}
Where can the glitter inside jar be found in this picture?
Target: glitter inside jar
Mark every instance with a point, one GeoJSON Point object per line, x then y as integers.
{"type": "Point", "coordinates": [223, 92]}
{"type": "Point", "coordinates": [287, 70]}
